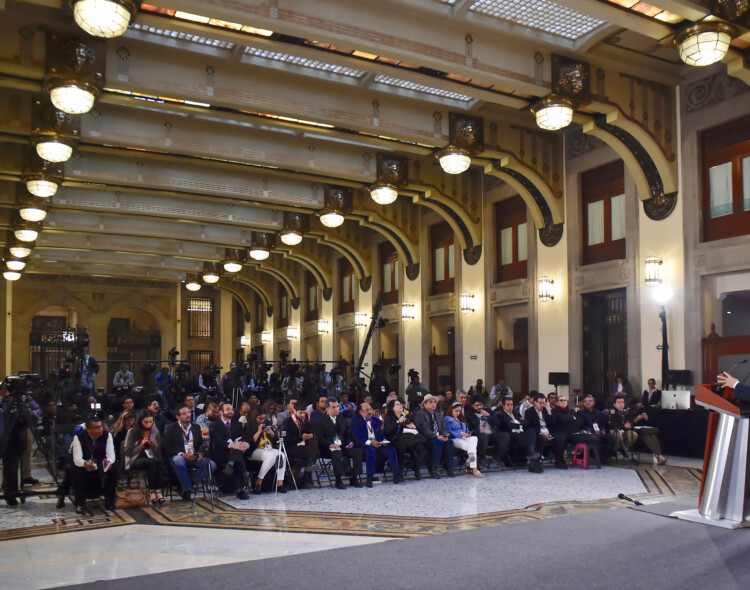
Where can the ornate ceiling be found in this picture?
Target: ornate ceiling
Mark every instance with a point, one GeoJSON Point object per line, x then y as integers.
{"type": "Point", "coordinates": [218, 117]}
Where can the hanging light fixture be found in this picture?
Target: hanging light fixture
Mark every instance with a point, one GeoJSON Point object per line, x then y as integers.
{"type": "Point", "coordinates": [26, 231]}
{"type": "Point", "coordinates": [705, 43]}
{"type": "Point", "coordinates": [392, 173]}
{"type": "Point", "coordinates": [13, 263]}
{"type": "Point", "coordinates": [11, 275]}
{"type": "Point", "coordinates": [31, 208]}
{"type": "Point", "coordinates": [465, 137]}
{"type": "Point", "coordinates": [42, 178]}
{"type": "Point", "coordinates": [104, 18]}
{"type": "Point", "coordinates": [17, 248]}
{"type": "Point", "coordinates": [553, 112]}
{"type": "Point", "coordinates": [653, 271]}
{"type": "Point", "coordinates": [545, 289]}
{"type": "Point", "coordinates": [234, 259]}
{"type": "Point", "coordinates": [336, 201]}
{"type": "Point", "coordinates": [192, 283]}
{"type": "Point", "coordinates": [210, 273]}
{"type": "Point", "coordinates": [75, 73]}
{"type": "Point", "coordinates": [295, 226]}
{"type": "Point", "coordinates": [261, 245]}
{"type": "Point", "coordinates": [54, 133]}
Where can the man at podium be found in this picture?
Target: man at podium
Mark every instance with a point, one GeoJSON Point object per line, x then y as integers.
{"type": "Point", "coordinates": [741, 391]}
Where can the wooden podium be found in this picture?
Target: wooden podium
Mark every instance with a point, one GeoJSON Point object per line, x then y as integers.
{"type": "Point", "coordinates": [723, 500]}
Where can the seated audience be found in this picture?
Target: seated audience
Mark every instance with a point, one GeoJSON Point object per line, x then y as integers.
{"type": "Point", "coordinates": [638, 417]}
{"type": "Point", "coordinates": [335, 443]}
{"type": "Point", "coordinates": [368, 435]}
{"type": "Point", "coordinates": [159, 419]}
{"type": "Point", "coordinates": [457, 429]}
{"type": "Point", "coordinates": [594, 422]}
{"type": "Point", "coordinates": [210, 416]}
{"type": "Point", "coordinates": [404, 436]}
{"type": "Point", "coordinates": [93, 471]}
{"type": "Point", "coordinates": [651, 396]}
{"type": "Point", "coordinates": [142, 452]}
{"type": "Point", "coordinates": [485, 426]}
{"type": "Point", "coordinates": [431, 425]}
{"type": "Point", "coordinates": [228, 448]}
{"type": "Point", "coordinates": [520, 436]}
{"type": "Point", "coordinates": [542, 422]}
{"type": "Point", "coordinates": [300, 442]}
{"type": "Point", "coordinates": [181, 443]}
{"type": "Point", "coordinates": [263, 442]}
{"type": "Point", "coordinates": [120, 430]}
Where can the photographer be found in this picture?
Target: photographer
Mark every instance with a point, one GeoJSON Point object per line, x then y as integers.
{"type": "Point", "coordinates": [88, 369]}
{"type": "Point", "coordinates": [123, 381]}
{"type": "Point", "coordinates": [207, 383]}
{"type": "Point", "coordinates": [378, 386]}
{"type": "Point", "coordinates": [415, 391]}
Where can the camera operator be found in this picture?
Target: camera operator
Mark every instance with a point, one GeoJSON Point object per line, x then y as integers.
{"type": "Point", "coordinates": [292, 385]}
{"type": "Point", "coordinates": [88, 370]}
{"type": "Point", "coordinates": [378, 386]}
{"type": "Point", "coordinates": [207, 383]}
{"type": "Point", "coordinates": [415, 391]}
{"type": "Point", "coordinates": [123, 381]}
{"type": "Point", "coordinates": [232, 380]}
{"type": "Point", "coordinates": [322, 379]}
{"type": "Point", "coordinates": [14, 438]}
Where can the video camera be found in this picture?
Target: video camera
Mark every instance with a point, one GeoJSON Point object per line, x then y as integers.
{"type": "Point", "coordinates": [396, 367]}
{"type": "Point", "coordinates": [284, 355]}
{"type": "Point", "coordinates": [182, 369]}
{"type": "Point", "coordinates": [215, 370]}
{"type": "Point", "coordinates": [23, 383]}
{"type": "Point", "coordinates": [80, 345]}
{"type": "Point", "coordinates": [149, 367]}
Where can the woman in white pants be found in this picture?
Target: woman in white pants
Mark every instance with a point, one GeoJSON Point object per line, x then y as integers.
{"type": "Point", "coordinates": [262, 441]}
{"type": "Point", "coordinates": [462, 438]}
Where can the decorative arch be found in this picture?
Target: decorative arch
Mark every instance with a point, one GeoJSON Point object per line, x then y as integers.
{"type": "Point", "coordinates": [267, 302]}
{"type": "Point", "coordinates": [323, 277]}
{"type": "Point", "coordinates": [362, 268]}
{"type": "Point", "coordinates": [280, 276]}
{"type": "Point", "coordinates": [408, 252]}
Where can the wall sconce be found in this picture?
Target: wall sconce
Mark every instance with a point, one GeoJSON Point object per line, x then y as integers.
{"type": "Point", "coordinates": [210, 273]}
{"type": "Point", "coordinates": [54, 134]}
{"type": "Point", "coordinates": [467, 303]}
{"type": "Point", "coordinates": [245, 341]}
{"type": "Point", "coordinates": [292, 332]}
{"type": "Point", "coordinates": [295, 226]}
{"type": "Point", "coordinates": [11, 275]}
{"type": "Point", "coordinates": [75, 72]}
{"type": "Point", "coordinates": [192, 283]}
{"type": "Point", "coordinates": [105, 18]}
{"type": "Point", "coordinates": [261, 245]}
{"type": "Point", "coordinates": [408, 311]}
{"type": "Point", "coordinates": [361, 319]}
{"type": "Point", "coordinates": [545, 289]}
{"type": "Point", "coordinates": [392, 173]}
{"type": "Point", "coordinates": [266, 337]}
{"type": "Point", "coordinates": [324, 326]}
{"type": "Point", "coordinates": [234, 259]}
{"type": "Point", "coordinates": [465, 137]}
{"type": "Point", "coordinates": [42, 178]}
{"type": "Point", "coordinates": [653, 271]}
{"type": "Point", "coordinates": [26, 231]}
{"type": "Point", "coordinates": [705, 43]}
{"type": "Point", "coordinates": [337, 201]}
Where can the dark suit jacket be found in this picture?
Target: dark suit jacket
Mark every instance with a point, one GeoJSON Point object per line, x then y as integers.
{"type": "Point", "coordinates": [173, 441]}
{"type": "Point", "coordinates": [533, 419]}
{"type": "Point", "coordinates": [474, 423]}
{"type": "Point", "coordinates": [326, 432]}
{"type": "Point", "coordinates": [424, 424]}
{"type": "Point", "coordinates": [220, 438]}
{"type": "Point", "coordinates": [589, 418]}
{"type": "Point", "coordinates": [651, 400]}
{"type": "Point", "coordinates": [506, 424]}
{"type": "Point", "coordinates": [359, 430]}
{"type": "Point", "coordinates": [293, 435]}
{"type": "Point", "coordinates": [742, 391]}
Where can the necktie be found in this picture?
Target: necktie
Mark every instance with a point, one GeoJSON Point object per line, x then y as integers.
{"type": "Point", "coordinates": [227, 425]}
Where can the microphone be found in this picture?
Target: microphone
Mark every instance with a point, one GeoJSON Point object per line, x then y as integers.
{"type": "Point", "coordinates": [735, 365]}
{"type": "Point", "coordinates": [624, 497]}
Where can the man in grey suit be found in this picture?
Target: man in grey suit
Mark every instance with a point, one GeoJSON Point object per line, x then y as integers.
{"type": "Point", "coordinates": [430, 424]}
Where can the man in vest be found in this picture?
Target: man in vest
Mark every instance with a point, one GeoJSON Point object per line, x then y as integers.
{"type": "Point", "coordinates": [94, 470]}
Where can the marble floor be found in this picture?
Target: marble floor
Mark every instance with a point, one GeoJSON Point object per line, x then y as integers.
{"type": "Point", "coordinates": [41, 546]}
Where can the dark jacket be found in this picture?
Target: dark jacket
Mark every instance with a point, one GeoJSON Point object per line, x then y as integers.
{"type": "Point", "coordinates": [653, 399]}
{"type": "Point", "coordinates": [293, 435]}
{"type": "Point", "coordinates": [506, 424]}
{"type": "Point", "coordinates": [588, 419]}
{"type": "Point", "coordinates": [326, 431]}
{"type": "Point", "coordinates": [173, 441]}
{"type": "Point", "coordinates": [474, 422]}
{"type": "Point", "coordinates": [220, 438]}
{"type": "Point", "coordinates": [423, 422]}
{"type": "Point", "coordinates": [533, 419]}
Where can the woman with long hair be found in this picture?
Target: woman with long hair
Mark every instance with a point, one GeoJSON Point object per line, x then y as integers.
{"type": "Point", "coordinates": [120, 430]}
{"type": "Point", "coordinates": [262, 439]}
{"type": "Point", "coordinates": [403, 436]}
{"type": "Point", "coordinates": [143, 453]}
{"type": "Point", "coordinates": [455, 423]}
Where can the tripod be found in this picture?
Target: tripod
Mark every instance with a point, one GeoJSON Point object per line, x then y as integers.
{"type": "Point", "coordinates": [19, 410]}
{"type": "Point", "coordinates": [282, 451]}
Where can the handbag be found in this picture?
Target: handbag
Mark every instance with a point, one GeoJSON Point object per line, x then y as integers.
{"type": "Point", "coordinates": [130, 498]}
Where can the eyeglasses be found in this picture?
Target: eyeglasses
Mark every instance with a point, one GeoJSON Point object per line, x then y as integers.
{"type": "Point", "coordinates": [563, 400]}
